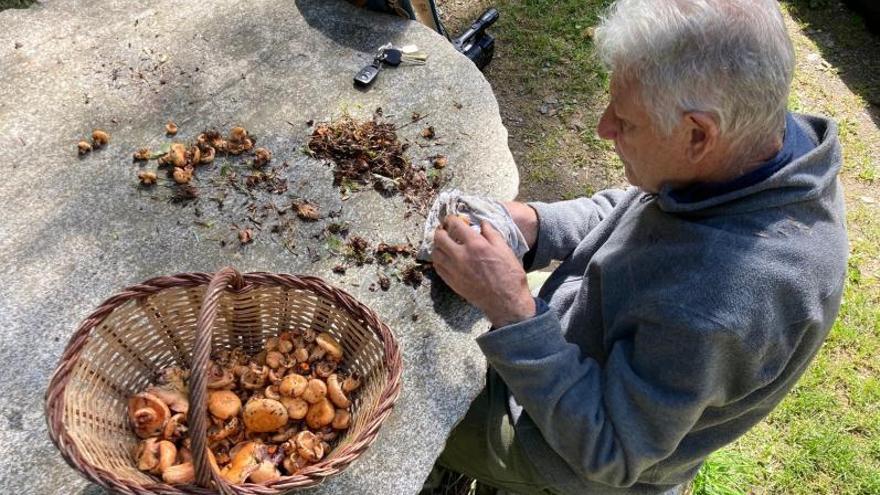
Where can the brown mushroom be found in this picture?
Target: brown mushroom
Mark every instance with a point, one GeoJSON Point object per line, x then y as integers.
{"type": "Point", "coordinates": [293, 385]}
{"type": "Point", "coordinates": [264, 415]}
{"type": "Point", "coordinates": [184, 454]}
{"type": "Point", "coordinates": [179, 474]}
{"type": "Point", "coordinates": [294, 463]}
{"type": "Point", "coordinates": [182, 175]}
{"type": "Point", "coordinates": [243, 463]}
{"type": "Point", "coordinates": [177, 155]}
{"type": "Point", "coordinates": [341, 420]}
{"type": "Point", "coordinates": [223, 404]}
{"type": "Point", "coordinates": [262, 156]}
{"type": "Point", "coordinates": [301, 354]}
{"type": "Point", "coordinates": [274, 359]}
{"type": "Point", "coordinates": [194, 156]}
{"type": "Point", "coordinates": [320, 414]}
{"type": "Point", "coordinates": [171, 128]}
{"type": "Point", "coordinates": [141, 155]}
{"type": "Point", "coordinates": [208, 154]}
{"type": "Point", "coordinates": [296, 408]}
{"type": "Point", "coordinates": [255, 377]}
{"type": "Point", "coordinates": [330, 345]}
{"type": "Point", "coordinates": [324, 368]}
{"type": "Point", "coordinates": [167, 456]}
{"type": "Point", "coordinates": [147, 178]}
{"type": "Point", "coordinates": [264, 473]}
{"type": "Point", "coordinates": [224, 430]}
{"type": "Point", "coordinates": [271, 392]}
{"type": "Point", "coordinates": [285, 435]}
{"type": "Point", "coordinates": [335, 392]}
{"type": "Point", "coordinates": [351, 382]}
{"type": "Point", "coordinates": [317, 354]}
{"type": "Point", "coordinates": [238, 134]}
{"type": "Point", "coordinates": [272, 344]}
{"type": "Point", "coordinates": [285, 346]}
{"type": "Point", "coordinates": [315, 391]}
{"type": "Point", "coordinates": [308, 446]}
{"type": "Point", "coordinates": [175, 399]}
{"type": "Point", "coordinates": [175, 427]}
{"type": "Point", "coordinates": [83, 147]}
{"type": "Point", "coordinates": [148, 414]}
{"type": "Point", "coordinates": [218, 377]}
{"type": "Point", "coordinates": [100, 138]}
{"type": "Point", "coordinates": [148, 454]}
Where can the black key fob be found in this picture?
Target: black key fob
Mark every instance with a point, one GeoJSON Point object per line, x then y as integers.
{"type": "Point", "coordinates": [367, 75]}
{"type": "Point", "coordinates": [392, 56]}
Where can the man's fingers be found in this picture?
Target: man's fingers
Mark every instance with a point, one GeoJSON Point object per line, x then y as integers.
{"type": "Point", "coordinates": [493, 236]}
{"type": "Point", "coordinates": [458, 229]}
{"type": "Point", "coordinates": [443, 242]}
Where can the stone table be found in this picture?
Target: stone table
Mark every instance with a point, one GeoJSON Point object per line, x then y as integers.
{"type": "Point", "coordinates": [75, 230]}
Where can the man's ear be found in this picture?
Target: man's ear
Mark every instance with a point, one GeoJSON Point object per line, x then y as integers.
{"type": "Point", "coordinates": [702, 129]}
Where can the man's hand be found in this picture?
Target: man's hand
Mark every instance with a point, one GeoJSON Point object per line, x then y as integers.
{"type": "Point", "coordinates": [526, 220]}
{"type": "Point", "coordinates": [482, 268]}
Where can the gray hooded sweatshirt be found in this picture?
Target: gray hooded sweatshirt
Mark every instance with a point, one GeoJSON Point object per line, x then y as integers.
{"type": "Point", "coordinates": [674, 326]}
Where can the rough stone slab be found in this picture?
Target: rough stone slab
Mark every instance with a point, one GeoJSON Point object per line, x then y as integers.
{"type": "Point", "coordinates": [74, 231]}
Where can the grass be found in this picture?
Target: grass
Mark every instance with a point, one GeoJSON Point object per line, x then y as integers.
{"type": "Point", "coordinates": [824, 438]}
{"type": "Point", "coordinates": [16, 4]}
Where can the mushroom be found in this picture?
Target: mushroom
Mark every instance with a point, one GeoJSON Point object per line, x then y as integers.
{"type": "Point", "coordinates": [275, 376]}
{"type": "Point", "coordinates": [171, 128]}
{"type": "Point", "coordinates": [274, 359]}
{"type": "Point", "coordinates": [296, 408]}
{"type": "Point", "coordinates": [167, 456]}
{"type": "Point", "coordinates": [265, 472]}
{"type": "Point", "coordinates": [272, 393]}
{"type": "Point", "coordinates": [208, 154]}
{"type": "Point", "coordinates": [224, 430]}
{"type": "Point", "coordinates": [335, 393]}
{"type": "Point", "coordinates": [317, 354]}
{"type": "Point", "coordinates": [243, 463]}
{"type": "Point", "coordinates": [264, 415]}
{"type": "Point", "coordinates": [320, 414]}
{"type": "Point", "coordinates": [262, 156]}
{"type": "Point", "coordinates": [83, 147]}
{"type": "Point", "coordinates": [141, 155]}
{"type": "Point", "coordinates": [223, 404]}
{"type": "Point", "coordinates": [175, 427]}
{"type": "Point", "coordinates": [351, 382]}
{"type": "Point", "coordinates": [177, 155]}
{"type": "Point", "coordinates": [285, 346]}
{"type": "Point", "coordinates": [294, 463]}
{"type": "Point", "coordinates": [293, 385]}
{"type": "Point", "coordinates": [315, 391]}
{"type": "Point", "coordinates": [238, 134]}
{"type": "Point", "coordinates": [301, 354]}
{"type": "Point", "coordinates": [219, 377]}
{"type": "Point", "coordinates": [330, 345]}
{"type": "Point", "coordinates": [182, 175]}
{"type": "Point", "coordinates": [148, 414]}
{"type": "Point", "coordinates": [100, 138]}
{"type": "Point", "coordinates": [272, 344]}
{"type": "Point", "coordinates": [341, 420]}
{"type": "Point", "coordinates": [194, 155]}
{"type": "Point", "coordinates": [184, 454]}
{"type": "Point", "coordinates": [147, 178]}
{"type": "Point", "coordinates": [285, 435]}
{"type": "Point", "coordinates": [325, 368]}
{"type": "Point", "coordinates": [179, 474]}
{"type": "Point", "coordinates": [308, 446]}
{"type": "Point", "coordinates": [148, 454]}
{"type": "Point", "coordinates": [255, 377]}
{"type": "Point", "coordinates": [175, 399]}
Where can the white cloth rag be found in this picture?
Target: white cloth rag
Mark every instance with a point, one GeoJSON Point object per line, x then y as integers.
{"type": "Point", "coordinates": [476, 209]}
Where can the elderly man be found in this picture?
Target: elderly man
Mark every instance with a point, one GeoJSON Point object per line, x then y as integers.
{"type": "Point", "coordinates": [685, 307]}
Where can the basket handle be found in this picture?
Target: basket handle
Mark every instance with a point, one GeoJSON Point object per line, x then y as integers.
{"type": "Point", "coordinates": [198, 390]}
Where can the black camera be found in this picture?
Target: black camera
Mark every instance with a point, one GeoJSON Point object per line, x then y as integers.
{"type": "Point", "coordinates": [475, 43]}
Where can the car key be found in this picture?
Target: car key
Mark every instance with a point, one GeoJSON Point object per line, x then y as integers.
{"type": "Point", "coordinates": [367, 75]}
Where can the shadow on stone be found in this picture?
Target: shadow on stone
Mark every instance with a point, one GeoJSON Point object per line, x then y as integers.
{"type": "Point", "coordinates": [448, 305]}
{"type": "Point", "coordinates": [329, 19]}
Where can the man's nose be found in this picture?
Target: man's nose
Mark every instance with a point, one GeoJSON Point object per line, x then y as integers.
{"type": "Point", "coordinates": [607, 128]}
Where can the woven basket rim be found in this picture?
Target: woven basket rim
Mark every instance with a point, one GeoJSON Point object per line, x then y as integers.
{"type": "Point", "coordinates": [307, 477]}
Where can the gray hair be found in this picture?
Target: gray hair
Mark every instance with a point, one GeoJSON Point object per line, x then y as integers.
{"type": "Point", "coordinates": [731, 58]}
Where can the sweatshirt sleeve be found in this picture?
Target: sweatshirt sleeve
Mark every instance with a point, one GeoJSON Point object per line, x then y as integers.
{"type": "Point", "coordinates": [564, 224]}
{"type": "Point", "coordinates": [611, 423]}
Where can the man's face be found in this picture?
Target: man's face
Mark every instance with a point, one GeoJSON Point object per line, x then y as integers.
{"type": "Point", "coordinates": [650, 159]}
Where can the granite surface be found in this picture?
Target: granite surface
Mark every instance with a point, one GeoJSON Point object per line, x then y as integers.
{"type": "Point", "coordinates": [75, 230]}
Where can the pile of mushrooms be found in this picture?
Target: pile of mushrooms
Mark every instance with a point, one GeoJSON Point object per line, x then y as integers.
{"type": "Point", "coordinates": [272, 413]}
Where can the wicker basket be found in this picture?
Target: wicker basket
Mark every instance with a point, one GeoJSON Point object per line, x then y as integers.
{"type": "Point", "coordinates": [176, 320]}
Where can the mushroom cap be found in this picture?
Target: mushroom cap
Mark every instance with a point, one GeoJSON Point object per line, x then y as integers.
{"type": "Point", "coordinates": [223, 404]}
{"type": "Point", "coordinates": [293, 385]}
{"type": "Point", "coordinates": [315, 391]}
{"type": "Point", "coordinates": [148, 414]}
{"type": "Point", "coordinates": [218, 377]}
{"type": "Point", "coordinates": [301, 354]}
{"type": "Point", "coordinates": [243, 463]}
{"type": "Point", "coordinates": [274, 359]}
{"type": "Point", "coordinates": [330, 345]}
{"type": "Point", "coordinates": [320, 414]}
{"type": "Point", "coordinates": [296, 407]}
{"type": "Point", "coordinates": [175, 399]}
{"type": "Point", "coordinates": [167, 456]}
{"type": "Point", "coordinates": [179, 474]}
{"type": "Point", "coordinates": [341, 420]}
{"type": "Point", "coordinates": [350, 383]}
{"type": "Point", "coordinates": [308, 446]}
{"type": "Point", "coordinates": [100, 137]}
{"type": "Point", "coordinates": [264, 415]}
{"type": "Point", "coordinates": [265, 472]}
{"type": "Point", "coordinates": [175, 427]}
{"type": "Point", "coordinates": [148, 454]}
{"type": "Point", "coordinates": [255, 377]}
{"type": "Point", "coordinates": [177, 154]}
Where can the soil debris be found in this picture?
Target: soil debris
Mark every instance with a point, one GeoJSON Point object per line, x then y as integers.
{"type": "Point", "coordinates": [369, 152]}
